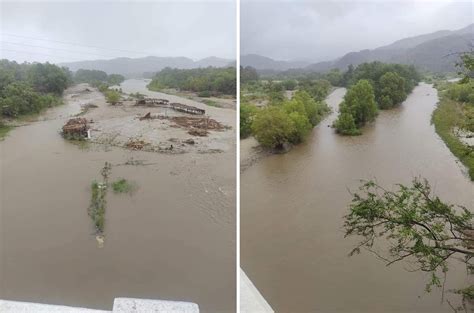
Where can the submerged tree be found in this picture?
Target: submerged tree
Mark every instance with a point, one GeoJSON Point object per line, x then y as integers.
{"type": "Point", "coordinates": [418, 226]}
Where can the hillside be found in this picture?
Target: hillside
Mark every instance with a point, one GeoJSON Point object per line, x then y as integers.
{"type": "Point", "coordinates": [135, 67]}
{"type": "Point", "coordinates": [431, 52]}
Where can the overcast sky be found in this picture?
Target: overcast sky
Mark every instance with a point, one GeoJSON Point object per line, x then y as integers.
{"type": "Point", "coordinates": [322, 30]}
{"type": "Point", "coordinates": [103, 30]}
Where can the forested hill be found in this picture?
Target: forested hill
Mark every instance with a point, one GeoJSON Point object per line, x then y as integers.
{"type": "Point", "coordinates": [135, 67]}
{"type": "Point", "coordinates": [433, 52]}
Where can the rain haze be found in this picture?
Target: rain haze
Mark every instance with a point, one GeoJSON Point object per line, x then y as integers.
{"type": "Point", "coordinates": [324, 30]}
{"type": "Point", "coordinates": [72, 31]}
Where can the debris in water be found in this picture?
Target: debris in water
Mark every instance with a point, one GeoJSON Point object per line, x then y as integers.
{"type": "Point", "coordinates": [136, 144]}
{"type": "Point", "coordinates": [100, 241]}
{"type": "Point", "coordinates": [76, 128]}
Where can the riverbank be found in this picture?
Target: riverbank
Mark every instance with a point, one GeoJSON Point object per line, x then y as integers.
{"type": "Point", "coordinates": [225, 102]}
{"type": "Point", "coordinates": [446, 117]}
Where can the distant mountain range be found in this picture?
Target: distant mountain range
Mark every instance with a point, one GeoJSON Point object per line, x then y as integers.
{"type": "Point", "coordinates": [433, 52]}
{"type": "Point", "coordinates": [135, 67]}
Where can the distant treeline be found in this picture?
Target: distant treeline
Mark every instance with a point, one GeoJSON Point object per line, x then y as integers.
{"type": "Point", "coordinates": [206, 81]}
{"type": "Point", "coordinates": [96, 77]}
{"type": "Point", "coordinates": [284, 119]}
{"type": "Point", "coordinates": [371, 86]}
{"type": "Point", "coordinates": [30, 87]}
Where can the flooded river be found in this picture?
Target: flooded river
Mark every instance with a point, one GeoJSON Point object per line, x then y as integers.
{"type": "Point", "coordinates": [174, 238]}
{"type": "Point", "coordinates": [292, 241]}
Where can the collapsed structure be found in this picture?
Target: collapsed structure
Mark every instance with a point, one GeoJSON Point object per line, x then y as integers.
{"type": "Point", "coordinates": [150, 102]}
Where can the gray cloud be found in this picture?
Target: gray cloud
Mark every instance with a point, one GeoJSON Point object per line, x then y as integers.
{"type": "Point", "coordinates": [194, 29]}
{"type": "Point", "coordinates": [324, 30]}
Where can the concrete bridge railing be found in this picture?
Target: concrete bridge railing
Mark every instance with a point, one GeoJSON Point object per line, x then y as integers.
{"type": "Point", "coordinates": [121, 305]}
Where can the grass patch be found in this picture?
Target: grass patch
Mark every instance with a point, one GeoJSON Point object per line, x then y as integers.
{"type": "Point", "coordinates": [97, 206]}
{"type": "Point", "coordinates": [122, 186]}
{"type": "Point", "coordinates": [4, 129]}
{"type": "Point", "coordinates": [98, 202]}
{"type": "Point", "coordinates": [211, 103]}
{"type": "Point", "coordinates": [448, 115]}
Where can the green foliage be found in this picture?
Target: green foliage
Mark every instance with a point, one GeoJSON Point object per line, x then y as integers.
{"type": "Point", "coordinates": [302, 127]}
{"type": "Point", "coordinates": [359, 103]}
{"type": "Point", "coordinates": [47, 78]}
{"type": "Point", "coordinates": [19, 98]}
{"type": "Point", "coordinates": [318, 89]}
{"type": "Point", "coordinates": [98, 199]}
{"type": "Point", "coordinates": [112, 96]}
{"type": "Point", "coordinates": [290, 122]}
{"type": "Point", "coordinates": [290, 84]}
{"type": "Point", "coordinates": [391, 82]}
{"type": "Point", "coordinates": [28, 88]}
{"type": "Point", "coordinates": [247, 113]}
{"type": "Point", "coordinates": [466, 66]}
{"type": "Point", "coordinates": [462, 92]}
{"type": "Point", "coordinates": [275, 92]}
{"type": "Point", "coordinates": [391, 90]}
{"type": "Point", "coordinates": [115, 79]}
{"type": "Point", "coordinates": [345, 125]}
{"type": "Point", "coordinates": [204, 94]}
{"type": "Point", "coordinates": [451, 114]}
{"type": "Point", "coordinates": [4, 129]}
{"type": "Point", "coordinates": [272, 127]}
{"type": "Point", "coordinates": [122, 186]}
{"type": "Point", "coordinates": [335, 77]}
{"type": "Point", "coordinates": [214, 80]}
{"type": "Point", "coordinates": [314, 110]}
{"type": "Point", "coordinates": [97, 78]}
{"type": "Point", "coordinates": [248, 74]}
{"type": "Point", "coordinates": [90, 76]}
{"type": "Point", "coordinates": [418, 226]}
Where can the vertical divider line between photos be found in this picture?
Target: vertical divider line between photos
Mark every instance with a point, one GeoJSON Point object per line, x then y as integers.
{"type": "Point", "coordinates": [237, 155]}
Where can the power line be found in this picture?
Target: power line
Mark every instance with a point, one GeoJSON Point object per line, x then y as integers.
{"type": "Point", "coordinates": [59, 49]}
{"type": "Point", "coordinates": [77, 44]}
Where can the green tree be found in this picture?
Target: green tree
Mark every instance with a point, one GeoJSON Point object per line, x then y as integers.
{"type": "Point", "coordinates": [115, 79]}
{"type": "Point", "coordinates": [301, 127]}
{"type": "Point", "coordinates": [418, 226]}
{"type": "Point", "coordinates": [290, 84]}
{"type": "Point", "coordinates": [248, 74]}
{"type": "Point", "coordinates": [392, 90]}
{"type": "Point", "coordinates": [113, 96]}
{"type": "Point", "coordinates": [247, 113]}
{"type": "Point", "coordinates": [359, 102]}
{"type": "Point", "coordinates": [272, 127]}
{"type": "Point", "coordinates": [345, 125]}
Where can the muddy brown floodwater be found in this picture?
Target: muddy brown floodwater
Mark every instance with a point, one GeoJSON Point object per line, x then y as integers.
{"type": "Point", "coordinates": [292, 241]}
{"type": "Point", "coordinates": [174, 238]}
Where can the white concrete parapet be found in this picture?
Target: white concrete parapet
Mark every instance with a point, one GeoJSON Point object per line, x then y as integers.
{"type": "Point", "coordinates": [121, 305]}
{"type": "Point", "coordinates": [129, 305]}
{"type": "Point", "coordinates": [251, 300]}
{"type": "Point", "coordinates": [29, 307]}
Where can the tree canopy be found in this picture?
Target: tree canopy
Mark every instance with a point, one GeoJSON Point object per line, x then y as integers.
{"type": "Point", "coordinates": [357, 108]}
{"type": "Point", "coordinates": [30, 87]}
{"type": "Point", "coordinates": [211, 79]}
{"type": "Point", "coordinates": [419, 227]}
